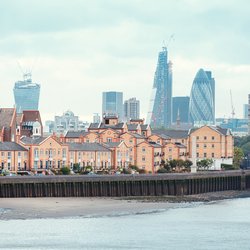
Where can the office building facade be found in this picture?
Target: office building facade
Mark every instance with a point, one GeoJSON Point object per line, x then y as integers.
{"type": "Point", "coordinates": [26, 94]}
{"type": "Point", "coordinates": [131, 109]}
{"type": "Point", "coordinates": [160, 108]}
{"type": "Point", "coordinates": [201, 105]}
{"type": "Point", "coordinates": [180, 108]}
{"type": "Point", "coordinates": [112, 104]}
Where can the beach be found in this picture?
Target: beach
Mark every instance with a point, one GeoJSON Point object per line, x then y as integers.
{"type": "Point", "coordinates": [35, 208]}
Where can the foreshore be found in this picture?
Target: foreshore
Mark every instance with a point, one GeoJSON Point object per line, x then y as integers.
{"type": "Point", "coordinates": [35, 208]}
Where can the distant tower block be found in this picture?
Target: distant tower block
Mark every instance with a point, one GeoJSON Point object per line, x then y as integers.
{"type": "Point", "coordinates": [26, 94]}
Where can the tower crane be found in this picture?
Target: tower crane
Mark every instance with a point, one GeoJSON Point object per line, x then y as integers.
{"type": "Point", "coordinates": [232, 105]}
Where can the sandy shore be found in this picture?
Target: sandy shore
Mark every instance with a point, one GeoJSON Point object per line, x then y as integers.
{"type": "Point", "coordinates": [30, 208]}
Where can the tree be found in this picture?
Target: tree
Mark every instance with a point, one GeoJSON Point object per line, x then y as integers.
{"type": "Point", "coordinates": [204, 164]}
{"type": "Point", "coordinates": [238, 156]}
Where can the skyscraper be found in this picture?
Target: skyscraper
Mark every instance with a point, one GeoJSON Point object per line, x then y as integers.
{"type": "Point", "coordinates": [180, 106]}
{"type": "Point", "coordinates": [249, 114]}
{"type": "Point", "coordinates": [112, 103]}
{"type": "Point", "coordinates": [131, 109]}
{"type": "Point", "coordinates": [202, 103]}
{"type": "Point", "coordinates": [160, 110]}
{"type": "Point", "coordinates": [26, 94]}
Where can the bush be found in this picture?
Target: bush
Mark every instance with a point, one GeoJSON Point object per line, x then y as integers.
{"type": "Point", "coordinates": [134, 167]}
{"type": "Point", "coordinates": [76, 167]}
{"type": "Point", "coordinates": [227, 166]}
{"type": "Point", "coordinates": [162, 171]}
{"type": "Point", "coordinates": [126, 171]}
{"type": "Point", "coordinates": [65, 170]}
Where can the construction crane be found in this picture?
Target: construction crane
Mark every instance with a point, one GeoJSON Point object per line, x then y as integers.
{"type": "Point", "coordinates": [165, 45]}
{"type": "Point", "coordinates": [232, 105]}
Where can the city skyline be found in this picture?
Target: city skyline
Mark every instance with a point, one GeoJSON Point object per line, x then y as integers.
{"type": "Point", "coordinates": [77, 56]}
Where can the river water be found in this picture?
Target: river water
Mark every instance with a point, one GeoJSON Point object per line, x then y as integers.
{"type": "Point", "coordinates": [215, 225]}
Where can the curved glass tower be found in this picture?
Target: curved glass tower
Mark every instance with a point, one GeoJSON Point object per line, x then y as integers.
{"type": "Point", "coordinates": [26, 94]}
{"type": "Point", "coordinates": [201, 105]}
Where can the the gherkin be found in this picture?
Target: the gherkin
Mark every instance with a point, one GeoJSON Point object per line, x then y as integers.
{"type": "Point", "coordinates": [202, 103]}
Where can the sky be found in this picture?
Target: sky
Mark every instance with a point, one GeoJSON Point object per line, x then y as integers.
{"type": "Point", "coordinates": [78, 49]}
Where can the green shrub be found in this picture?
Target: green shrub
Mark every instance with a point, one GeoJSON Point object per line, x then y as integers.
{"type": "Point", "coordinates": [65, 170]}
{"type": "Point", "coordinates": [227, 166]}
{"type": "Point", "coordinates": [162, 171]}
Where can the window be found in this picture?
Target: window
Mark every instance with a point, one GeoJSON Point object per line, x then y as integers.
{"type": "Point", "coordinates": [59, 152]}
{"type": "Point", "coordinates": [205, 145]}
{"type": "Point", "coordinates": [64, 153]}
{"type": "Point", "coordinates": [2, 153]}
{"type": "Point", "coordinates": [109, 139]}
{"type": "Point", "coordinates": [212, 145]}
{"type": "Point", "coordinates": [9, 155]}
{"type": "Point", "coordinates": [41, 164]}
{"type": "Point", "coordinates": [143, 158]}
{"type": "Point", "coordinates": [205, 155]}
{"type": "Point", "coordinates": [197, 145]}
{"type": "Point", "coordinates": [197, 155]}
{"type": "Point", "coordinates": [212, 137]}
{"type": "Point", "coordinates": [212, 155]}
{"type": "Point", "coordinates": [205, 137]}
{"type": "Point", "coordinates": [41, 152]}
{"type": "Point", "coordinates": [143, 150]}
{"type": "Point", "coordinates": [197, 137]}
{"type": "Point", "coordinates": [19, 154]}
{"type": "Point", "coordinates": [130, 141]}
{"type": "Point", "coordinates": [170, 150]}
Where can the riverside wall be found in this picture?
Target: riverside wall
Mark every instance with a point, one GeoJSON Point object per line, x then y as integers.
{"type": "Point", "coordinates": [123, 185]}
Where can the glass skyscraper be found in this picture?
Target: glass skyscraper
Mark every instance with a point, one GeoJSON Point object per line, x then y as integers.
{"type": "Point", "coordinates": [160, 110]}
{"type": "Point", "coordinates": [131, 109]}
{"type": "Point", "coordinates": [202, 99]}
{"type": "Point", "coordinates": [180, 107]}
{"type": "Point", "coordinates": [26, 94]}
{"type": "Point", "coordinates": [112, 103]}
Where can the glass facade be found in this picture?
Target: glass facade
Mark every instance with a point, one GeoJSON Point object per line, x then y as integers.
{"type": "Point", "coordinates": [160, 110]}
{"type": "Point", "coordinates": [202, 106]}
{"type": "Point", "coordinates": [131, 109]}
{"type": "Point", "coordinates": [181, 107]}
{"type": "Point", "coordinates": [112, 103]}
{"type": "Point", "coordinates": [26, 94]}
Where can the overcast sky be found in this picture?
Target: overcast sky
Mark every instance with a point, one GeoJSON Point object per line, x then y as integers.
{"type": "Point", "coordinates": [78, 49]}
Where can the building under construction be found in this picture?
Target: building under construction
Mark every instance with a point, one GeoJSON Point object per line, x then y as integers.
{"type": "Point", "coordinates": [160, 108]}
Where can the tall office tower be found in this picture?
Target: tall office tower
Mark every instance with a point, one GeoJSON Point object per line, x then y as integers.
{"type": "Point", "coordinates": [212, 82]}
{"type": "Point", "coordinates": [160, 107]}
{"type": "Point", "coordinates": [245, 111]}
{"type": "Point", "coordinates": [180, 107]}
{"type": "Point", "coordinates": [131, 109]}
{"type": "Point", "coordinates": [249, 114]}
{"type": "Point", "coordinates": [26, 94]}
{"type": "Point", "coordinates": [112, 104]}
{"type": "Point", "coordinates": [201, 105]}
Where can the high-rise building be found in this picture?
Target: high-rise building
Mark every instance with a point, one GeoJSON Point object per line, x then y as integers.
{"type": "Point", "coordinates": [249, 114]}
{"type": "Point", "coordinates": [180, 108]}
{"type": "Point", "coordinates": [131, 109]}
{"type": "Point", "coordinates": [112, 104]}
{"type": "Point", "coordinates": [245, 111]}
{"type": "Point", "coordinates": [201, 105]}
{"type": "Point", "coordinates": [160, 109]}
{"type": "Point", "coordinates": [96, 118]}
{"type": "Point", "coordinates": [26, 94]}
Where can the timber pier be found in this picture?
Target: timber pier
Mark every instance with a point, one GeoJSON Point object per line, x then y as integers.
{"type": "Point", "coordinates": [123, 185]}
